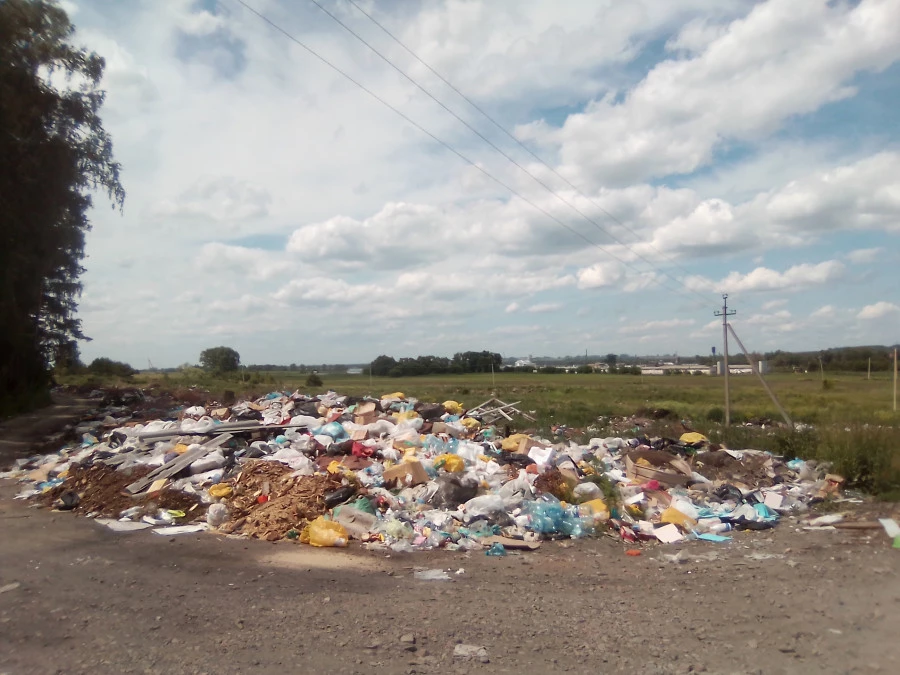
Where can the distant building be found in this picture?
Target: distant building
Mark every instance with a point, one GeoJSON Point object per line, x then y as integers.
{"type": "Point", "coordinates": [354, 371]}
{"type": "Point", "coordinates": [524, 363]}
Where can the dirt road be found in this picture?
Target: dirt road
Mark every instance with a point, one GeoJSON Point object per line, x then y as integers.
{"type": "Point", "coordinates": [76, 598]}
{"type": "Point", "coordinates": [25, 434]}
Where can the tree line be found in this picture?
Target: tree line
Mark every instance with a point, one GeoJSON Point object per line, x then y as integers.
{"type": "Point", "coordinates": [462, 362]}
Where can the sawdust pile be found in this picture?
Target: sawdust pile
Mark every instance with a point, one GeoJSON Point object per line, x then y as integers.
{"type": "Point", "coordinates": [292, 500]}
{"type": "Point", "coordinates": [101, 490]}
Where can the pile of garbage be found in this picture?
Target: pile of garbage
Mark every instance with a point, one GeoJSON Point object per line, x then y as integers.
{"type": "Point", "coordinates": [399, 474]}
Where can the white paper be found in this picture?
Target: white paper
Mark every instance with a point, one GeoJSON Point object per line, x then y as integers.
{"type": "Point", "coordinates": [891, 528]}
{"type": "Point", "coordinates": [122, 525]}
{"type": "Point", "coordinates": [668, 534]}
{"type": "Point", "coordinates": [635, 499]}
{"type": "Point", "coordinates": [830, 519]}
{"type": "Point", "coordinates": [773, 500]}
{"type": "Point", "coordinates": [181, 529]}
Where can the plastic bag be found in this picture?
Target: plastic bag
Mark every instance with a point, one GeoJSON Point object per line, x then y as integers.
{"type": "Point", "coordinates": [453, 407]}
{"type": "Point", "coordinates": [217, 515]}
{"type": "Point", "coordinates": [484, 506]}
{"type": "Point", "coordinates": [324, 533]}
{"type": "Point", "coordinates": [450, 463]}
{"type": "Point", "coordinates": [221, 491]}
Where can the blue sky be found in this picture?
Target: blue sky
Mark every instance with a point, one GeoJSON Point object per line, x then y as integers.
{"type": "Point", "coordinates": [747, 148]}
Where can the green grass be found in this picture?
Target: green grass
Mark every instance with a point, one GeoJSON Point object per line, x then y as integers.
{"type": "Point", "coordinates": [855, 428]}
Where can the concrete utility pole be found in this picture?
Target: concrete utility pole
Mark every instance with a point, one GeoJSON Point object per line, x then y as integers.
{"type": "Point", "coordinates": [895, 379]}
{"type": "Point", "coordinates": [725, 314]}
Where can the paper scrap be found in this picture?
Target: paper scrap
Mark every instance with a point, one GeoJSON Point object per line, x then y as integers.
{"type": "Point", "coordinates": [635, 499]}
{"type": "Point", "coordinates": [668, 534]}
{"type": "Point", "coordinates": [773, 500]}
{"type": "Point", "coordinates": [891, 528]}
{"type": "Point", "coordinates": [830, 519]}
{"type": "Point", "coordinates": [181, 529]}
{"type": "Point", "coordinates": [122, 525]}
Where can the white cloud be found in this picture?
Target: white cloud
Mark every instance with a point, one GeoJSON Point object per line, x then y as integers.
{"type": "Point", "coordinates": [878, 310]}
{"type": "Point", "coordinates": [785, 58]}
{"type": "Point", "coordinates": [774, 304]}
{"type": "Point", "coordinates": [864, 255]}
{"type": "Point", "coordinates": [824, 312]}
{"type": "Point", "coordinates": [600, 275]}
{"type": "Point", "coordinates": [656, 325]}
{"type": "Point", "coordinates": [765, 279]}
{"type": "Point", "coordinates": [258, 179]}
{"type": "Point", "coordinates": [544, 307]}
{"type": "Point", "coordinates": [218, 199]}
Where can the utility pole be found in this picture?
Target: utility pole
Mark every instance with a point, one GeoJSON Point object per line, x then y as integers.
{"type": "Point", "coordinates": [725, 314]}
{"type": "Point", "coordinates": [895, 379]}
{"type": "Point", "coordinates": [869, 372]}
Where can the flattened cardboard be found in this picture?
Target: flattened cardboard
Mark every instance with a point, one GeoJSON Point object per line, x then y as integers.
{"type": "Point", "coordinates": [414, 470]}
{"type": "Point", "coordinates": [512, 544]}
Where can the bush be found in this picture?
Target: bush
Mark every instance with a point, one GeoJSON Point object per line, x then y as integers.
{"type": "Point", "coordinates": [109, 368]}
{"type": "Point", "coordinates": [715, 415]}
{"type": "Point", "coordinates": [313, 381]}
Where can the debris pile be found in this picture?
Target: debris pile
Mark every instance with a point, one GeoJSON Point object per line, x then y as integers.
{"type": "Point", "coordinates": [400, 474]}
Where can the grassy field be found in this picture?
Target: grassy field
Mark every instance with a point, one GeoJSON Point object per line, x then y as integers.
{"type": "Point", "coordinates": [578, 400]}
{"type": "Point", "coordinates": [855, 427]}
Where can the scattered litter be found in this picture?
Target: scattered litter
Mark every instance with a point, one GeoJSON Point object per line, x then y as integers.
{"type": "Point", "coordinates": [830, 519]}
{"type": "Point", "coordinates": [431, 575]}
{"type": "Point", "coordinates": [10, 587]}
{"type": "Point", "coordinates": [891, 528]}
{"type": "Point", "coordinates": [122, 525]}
{"type": "Point", "coordinates": [181, 529]}
{"type": "Point", "coordinates": [400, 475]}
{"type": "Point", "coordinates": [763, 556]}
{"type": "Point", "coordinates": [470, 653]}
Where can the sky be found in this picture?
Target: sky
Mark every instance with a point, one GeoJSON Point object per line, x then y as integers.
{"type": "Point", "coordinates": [647, 158]}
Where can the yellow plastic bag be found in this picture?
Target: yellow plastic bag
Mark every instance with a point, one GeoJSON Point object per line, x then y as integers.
{"type": "Point", "coordinates": [408, 415]}
{"type": "Point", "coordinates": [511, 444]}
{"type": "Point", "coordinates": [180, 448]}
{"type": "Point", "coordinates": [453, 407]}
{"type": "Point", "coordinates": [676, 517]}
{"type": "Point", "coordinates": [597, 506]}
{"type": "Point", "coordinates": [396, 394]}
{"type": "Point", "coordinates": [221, 491]}
{"type": "Point", "coordinates": [693, 437]}
{"type": "Point", "coordinates": [470, 423]}
{"type": "Point", "coordinates": [324, 533]}
{"type": "Point", "coordinates": [450, 462]}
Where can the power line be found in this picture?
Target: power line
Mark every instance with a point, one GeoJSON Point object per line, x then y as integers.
{"type": "Point", "coordinates": [498, 149]}
{"type": "Point", "coordinates": [446, 145]}
{"type": "Point", "coordinates": [513, 138]}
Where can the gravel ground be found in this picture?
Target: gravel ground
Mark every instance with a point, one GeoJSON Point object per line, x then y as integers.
{"type": "Point", "coordinates": [76, 598]}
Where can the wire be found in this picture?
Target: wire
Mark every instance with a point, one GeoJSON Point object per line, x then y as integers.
{"type": "Point", "coordinates": [513, 138]}
{"type": "Point", "coordinates": [446, 145]}
{"type": "Point", "coordinates": [499, 150]}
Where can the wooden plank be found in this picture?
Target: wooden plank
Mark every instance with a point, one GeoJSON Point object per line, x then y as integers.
{"type": "Point", "coordinates": [176, 465]}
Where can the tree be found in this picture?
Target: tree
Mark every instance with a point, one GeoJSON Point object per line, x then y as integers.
{"type": "Point", "coordinates": [220, 359]}
{"type": "Point", "coordinates": [383, 365]}
{"type": "Point", "coordinates": [313, 381]}
{"type": "Point", "coordinates": [611, 360]}
{"type": "Point", "coordinates": [55, 154]}
{"type": "Point", "coordinates": [109, 368]}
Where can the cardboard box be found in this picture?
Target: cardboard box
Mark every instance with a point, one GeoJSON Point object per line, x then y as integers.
{"type": "Point", "coordinates": [411, 473]}
{"type": "Point", "coordinates": [668, 470]}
